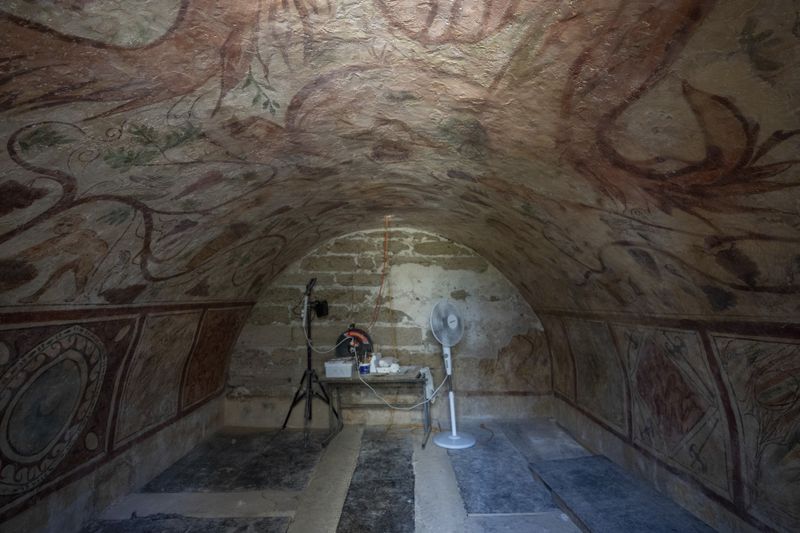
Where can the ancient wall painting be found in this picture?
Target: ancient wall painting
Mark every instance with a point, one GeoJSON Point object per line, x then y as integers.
{"type": "Point", "coordinates": [676, 411]}
{"type": "Point", "coordinates": [58, 384]}
{"type": "Point", "coordinates": [522, 366]}
{"type": "Point", "coordinates": [764, 379]}
{"type": "Point", "coordinates": [151, 392]}
{"type": "Point", "coordinates": [122, 23]}
{"type": "Point", "coordinates": [600, 376]}
{"type": "Point", "coordinates": [206, 370]}
{"type": "Point", "coordinates": [563, 364]}
{"type": "Point", "coordinates": [632, 181]}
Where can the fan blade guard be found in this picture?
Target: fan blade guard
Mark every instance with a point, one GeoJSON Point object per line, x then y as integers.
{"type": "Point", "coordinates": [447, 324]}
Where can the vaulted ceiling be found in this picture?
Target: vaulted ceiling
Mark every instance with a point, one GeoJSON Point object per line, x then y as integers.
{"type": "Point", "coordinates": [607, 155]}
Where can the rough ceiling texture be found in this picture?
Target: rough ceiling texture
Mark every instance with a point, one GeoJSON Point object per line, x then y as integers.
{"type": "Point", "coordinates": [631, 166]}
{"type": "Point", "coordinates": [605, 155]}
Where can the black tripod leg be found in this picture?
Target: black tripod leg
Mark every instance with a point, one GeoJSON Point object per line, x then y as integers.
{"type": "Point", "coordinates": [298, 395]}
{"type": "Point", "coordinates": [325, 398]}
{"type": "Point", "coordinates": [309, 393]}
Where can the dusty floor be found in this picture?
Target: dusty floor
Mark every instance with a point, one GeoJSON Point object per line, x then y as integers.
{"type": "Point", "coordinates": [365, 480]}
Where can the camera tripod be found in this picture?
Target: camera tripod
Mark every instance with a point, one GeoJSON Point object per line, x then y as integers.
{"type": "Point", "coordinates": [310, 386]}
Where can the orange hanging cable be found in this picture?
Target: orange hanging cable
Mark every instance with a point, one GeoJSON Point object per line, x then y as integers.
{"type": "Point", "coordinates": [377, 309]}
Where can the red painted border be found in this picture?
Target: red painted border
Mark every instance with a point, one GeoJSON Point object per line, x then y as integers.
{"type": "Point", "coordinates": [683, 475]}
{"type": "Point", "coordinates": [21, 319]}
{"type": "Point", "coordinates": [705, 328]}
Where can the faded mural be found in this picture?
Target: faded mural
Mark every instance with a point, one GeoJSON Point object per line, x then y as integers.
{"type": "Point", "coordinates": [676, 411]}
{"type": "Point", "coordinates": [150, 394]}
{"type": "Point", "coordinates": [600, 380]}
{"type": "Point", "coordinates": [195, 148]}
{"type": "Point", "coordinates": [78, 387]}
{"type": "Point", "coordinates": [58, 382]}
{"type": "Point", "coordinates": [625, 157]}
{"type": "Point", "coordinates": [713, 402]}
{"type": "Point", "coordinates": [764, 376]}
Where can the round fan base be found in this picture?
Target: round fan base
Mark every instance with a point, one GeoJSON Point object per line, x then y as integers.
{"type": "Point", "coordinates": [459, 442]}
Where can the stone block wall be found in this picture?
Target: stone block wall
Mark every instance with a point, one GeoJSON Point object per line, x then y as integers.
{"type": "Point", "coordinates": [502, 365]}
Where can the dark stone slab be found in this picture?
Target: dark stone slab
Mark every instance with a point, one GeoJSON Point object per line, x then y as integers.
{"type": "Point", "coordinates": [381, 492]}
{"type": "Point", "coordinates": [229, 462]}
{"type": "Point", "coordinates": [603, 497]}
{"type": "Point", "coordinates": [173, 523]}
{"type": "Point", "coordinates": [493, 478]}
{"type": "Point", "coordinates": [540, 439]}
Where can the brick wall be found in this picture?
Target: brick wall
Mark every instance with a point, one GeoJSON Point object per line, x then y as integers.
{"type": "Point", "coordinates": [502, 365]}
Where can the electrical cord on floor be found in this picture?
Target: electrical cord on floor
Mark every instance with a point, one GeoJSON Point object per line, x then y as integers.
{"type": "Point", "coordinates": [485, 428]}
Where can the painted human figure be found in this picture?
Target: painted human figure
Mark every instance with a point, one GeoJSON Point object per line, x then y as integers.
{"type": "Point", "coordinates": [77, 247]}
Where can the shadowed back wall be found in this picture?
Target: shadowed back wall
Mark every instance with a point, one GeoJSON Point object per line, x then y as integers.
{"type": "Point", "coordinates": [501, 366]}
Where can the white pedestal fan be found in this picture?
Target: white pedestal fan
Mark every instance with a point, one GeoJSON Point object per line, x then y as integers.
{"type": "Point", "coordinates": [448, 328]}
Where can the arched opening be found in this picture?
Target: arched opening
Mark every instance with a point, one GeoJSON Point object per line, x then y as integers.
{"type": "Point", "coordinates": [502, 365]}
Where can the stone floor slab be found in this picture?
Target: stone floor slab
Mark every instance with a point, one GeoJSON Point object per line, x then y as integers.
{"type": "Point", "coordinates": [381, 493]}
{"type": "Point", "coordinates": [174, 523]}
{"type": "Point", "coordinates": [493, 478]}
{"type": "Point", "coordinates": [602, 497]}
{"type": "Point", "coordinates": [233, 461]}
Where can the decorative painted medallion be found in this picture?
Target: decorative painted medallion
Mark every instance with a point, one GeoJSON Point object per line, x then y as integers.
{"type": "Point", "coordinates": [45, 403]}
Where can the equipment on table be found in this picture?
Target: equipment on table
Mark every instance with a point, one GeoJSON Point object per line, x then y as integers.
{"type": "Point", "coordinates": [448, 328]}
{"type": "Point", "coordinates": [386, 365]}
{"type": "Point", "coordinates": [339, 368]}
{"type": "Point", "coordinates": [354, 342]}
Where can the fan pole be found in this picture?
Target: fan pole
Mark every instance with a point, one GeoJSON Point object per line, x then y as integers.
{"type": "Point", "coordinates": [448, 366]}
{"type": "Point", "coordinates": [452, 441]}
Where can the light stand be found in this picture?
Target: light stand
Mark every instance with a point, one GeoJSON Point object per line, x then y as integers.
{"type": "Point", "coordinates": [310, 385]}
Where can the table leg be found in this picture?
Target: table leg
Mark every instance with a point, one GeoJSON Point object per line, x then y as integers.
{"type": "Point", "coordinates": [332, 422]}
{"type": "Point", "coordinates": [335, 424]}
{"type": "Point", "coordinates": [426, 418]}
{"type": "Point", "coordinates": [340, 420]}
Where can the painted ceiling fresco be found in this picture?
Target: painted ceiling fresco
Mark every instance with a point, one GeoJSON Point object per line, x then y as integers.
{"type": "Point", "coordinates": [625, 155]}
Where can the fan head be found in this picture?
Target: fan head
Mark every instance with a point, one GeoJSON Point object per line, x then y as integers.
{"type": "Point", "coordinates": [446, 323]}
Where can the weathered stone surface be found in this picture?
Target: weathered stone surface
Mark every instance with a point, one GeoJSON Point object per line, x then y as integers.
{"type": "Point", "coordinates": [329, 263]}
{"type": "Point", "coordinates": [440, 248]}
{"type": "Point", "coordinates": [270, 314]}
{"type": "Point", "coordinates": [281, 296]}
{"type": "Point", "coordinates": [400, 336]}
{"type": "Point", "coordinates": [359, 279]}
{"type": "Point", "coordinates": [345, 295]}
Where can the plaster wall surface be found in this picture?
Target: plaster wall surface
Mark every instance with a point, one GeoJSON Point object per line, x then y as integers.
{"type": "Point", "coordinates": [70, 507]}
{"type": "Point", "coordinates": [502, 364]}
